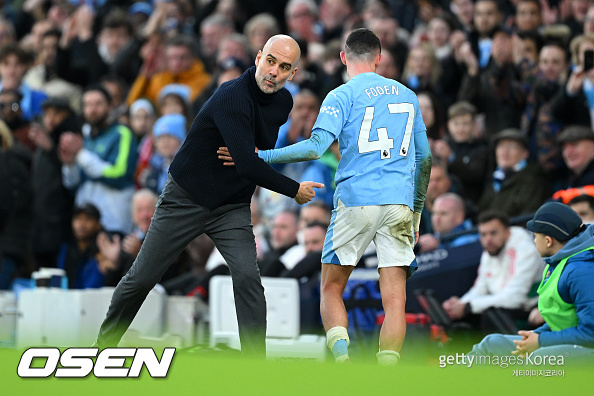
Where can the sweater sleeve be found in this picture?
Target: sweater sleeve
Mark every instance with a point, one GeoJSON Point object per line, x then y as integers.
{"type": "Point", "coordinates": [237, 131]}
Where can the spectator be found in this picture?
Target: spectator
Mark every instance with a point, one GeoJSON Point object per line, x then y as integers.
{"type": "Point", "coordinates": [574, 102]}
{"type": "Point", "coordinates": [445, 40]}
{"type": "Point", "coordinates": [510, 265]}
{"type": "Point", "coordinates": [538, 122]}
{"type": "Point", "coordinates": [6, 198]}
{"type": "Point", "coordinates": [309, 266]}
{"type": "Point", "coordinates": [432, 115]}
{"type": "Point", "coordinates": [142, 119]}
{"type": "Point", "coordinates": [14, 236]}
{"type": "Point", "coordinates": [83, 60]}
{"type": "Point", "coordinates": [392, 37]}
{"type": "Point", "coordinates": [517, 186]}
{"type": "Point", "coordinates": [102, 165]}
{"type": "Point", "coordinates": [333, 14]}
{"type": "Point", "coordinates": [285, 252]}
{"type": "Point", "coordinates": [122, 252]}
{"type": "Point", "coordinates": [313, 212]}
{"type": "Point", "coordinates": [426, 11]}
{"type": "Point", "coordinates": [487, 16]}
{"type": "Point", "coordinates": [14, 62]}
{"type": "Point", "coordinates": [139, 13]}
{"type": "Point", "coordinates": [117, 89]}
{"type": "Point", "coordinates": [228, 69]}
{"type": "Point", "coordinates": [174, 99]}
{"type": "Point", "coordinates": [526, 46]}
{"type": "Point", "coordinates": [496, 90]}
{"type": "Point", "coordinates": [52, 202]}
{"type": "Point", "coordinates": [213, 30]}
{"type": "Point", "coordinates": [11, 113]}
{"type": "Point", "coordinates": [577, 15]}
{"type": "Point", "coordinates": [423, 71]}
{"type": "Point", "coordinates": [583, 205]}
{"type": "Point", "coordinates": [464, 153]}
{"type": "Point", "coordinates": [84, 265]}
{"type": "Point", "coordinates": [439, 183]}
{"type": "Point", "coordinates": [258, 29]}
{"type": "Point", "coordinates": [302, 118]}
{"type": "Point", "coordinates": [577, 148]}
{"type": "Point", "coordinates": [528, 15]}
{"type": "Point", "coordinates": [302, 20]}
{"type": "Point", "coordinates": [589, 21]}
{"type": "Point", "coordinates": [448, 217]}
{"type": "Point", "coordinates": [181, 66]}
{"type": "Point", "coordinates": [463, 10]}
{"type": "Point", "coordinates": [388, 67]}
{"type": "Point", "coordinates": [44, 76]}
{"type": "Point", "coordinates": [233, 45]}
{"type": "Point", "coordinates": [7, 33]}
{"type": "Point", "coordinates": [169, 133]}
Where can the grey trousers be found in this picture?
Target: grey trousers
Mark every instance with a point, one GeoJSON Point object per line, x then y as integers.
{"type": "Point", "coordinates": [177, 221]}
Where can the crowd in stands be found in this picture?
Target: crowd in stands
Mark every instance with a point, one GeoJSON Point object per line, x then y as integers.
{"type": "Point", "coordinates": [96, 98]}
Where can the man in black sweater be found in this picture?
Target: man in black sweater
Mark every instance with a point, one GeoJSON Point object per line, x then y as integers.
{"type": "Point", "coordinates": [203, 196]}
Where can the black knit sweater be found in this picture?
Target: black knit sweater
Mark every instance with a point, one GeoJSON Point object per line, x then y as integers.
{"type": "Point", "coordinates": [240, 116]}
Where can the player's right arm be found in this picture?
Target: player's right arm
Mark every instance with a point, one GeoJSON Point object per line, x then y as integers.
{"type": "Point", "coordinates": [306, 150]}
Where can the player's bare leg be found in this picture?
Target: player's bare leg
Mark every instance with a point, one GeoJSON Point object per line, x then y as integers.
{"type": "Point", "coordinates": [393, 290]}
{"type": "Point", "coordinates": [332, 310]}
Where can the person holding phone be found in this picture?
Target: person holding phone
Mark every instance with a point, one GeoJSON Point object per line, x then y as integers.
{"type": "Point", "coordinates": [574, 103]}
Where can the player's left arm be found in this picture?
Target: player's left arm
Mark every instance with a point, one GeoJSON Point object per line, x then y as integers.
{"type": "Point", "coordinates": [421, 176]}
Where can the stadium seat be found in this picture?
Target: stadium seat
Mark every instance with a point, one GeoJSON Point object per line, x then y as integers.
{"type": "Point", "coordinates": [57, 317]}
{"type": "Point", "coordinates": [7, 319]}
{"type": "Point", "coordinates": [282, 300]}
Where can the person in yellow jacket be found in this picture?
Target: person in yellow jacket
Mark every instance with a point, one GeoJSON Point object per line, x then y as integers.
{"type": "Point", "coordinates": [180, 67]}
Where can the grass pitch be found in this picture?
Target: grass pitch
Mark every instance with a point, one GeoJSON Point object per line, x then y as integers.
{"type": "Point", "coordinates": [228, 374]}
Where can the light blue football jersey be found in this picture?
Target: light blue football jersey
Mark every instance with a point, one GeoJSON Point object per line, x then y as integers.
{"type": "Point", "coordinates": [375, 120]}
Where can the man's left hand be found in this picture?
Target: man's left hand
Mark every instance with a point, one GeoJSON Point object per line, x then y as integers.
{"type": "Point", "coordinates": [528, 343]}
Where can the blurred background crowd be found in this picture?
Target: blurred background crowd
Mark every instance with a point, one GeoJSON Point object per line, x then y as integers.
{"type": "Point", "coordinates": [96, 98]}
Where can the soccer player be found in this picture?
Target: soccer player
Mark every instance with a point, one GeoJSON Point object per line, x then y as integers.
{"type": "Point", "coordinates": [381, 178]}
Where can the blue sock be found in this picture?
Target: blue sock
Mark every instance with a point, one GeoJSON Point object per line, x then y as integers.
{"type": "Point", "coordinates": [340, 348]}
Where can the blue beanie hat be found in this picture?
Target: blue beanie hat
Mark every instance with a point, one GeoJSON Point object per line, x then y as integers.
{"type": "Point", "coordinates": [171, 124]}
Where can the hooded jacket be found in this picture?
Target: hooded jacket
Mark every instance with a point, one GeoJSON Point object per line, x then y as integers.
{"type": "Point", "coordinates": [575, 287]}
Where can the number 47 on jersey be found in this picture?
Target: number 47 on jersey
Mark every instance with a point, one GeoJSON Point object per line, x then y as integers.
{"type": "Point", "coordinates": [384, 144]}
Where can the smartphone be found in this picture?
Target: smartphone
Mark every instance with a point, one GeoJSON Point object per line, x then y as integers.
{"type": "Point", "coordinates": [588, 60]}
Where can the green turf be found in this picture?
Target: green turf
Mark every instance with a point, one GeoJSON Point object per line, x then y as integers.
{"type": "Point", "coordinates": [227, 374]}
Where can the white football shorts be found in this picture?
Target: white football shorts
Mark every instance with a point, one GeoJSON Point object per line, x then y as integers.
{"type": "Point", "coordinates": [352, 229]}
